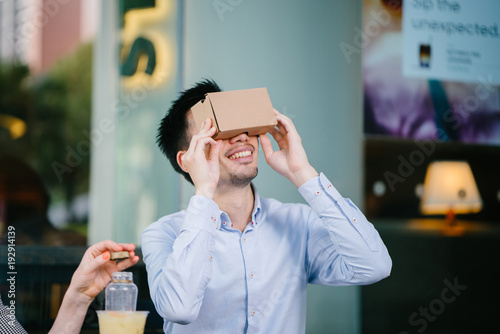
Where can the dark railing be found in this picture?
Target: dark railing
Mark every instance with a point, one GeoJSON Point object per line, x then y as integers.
{"type": "Point", "coordinates": [41, 276]}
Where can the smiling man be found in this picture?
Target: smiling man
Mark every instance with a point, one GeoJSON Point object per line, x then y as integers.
{"type": "Point", "coordinates": [234, 262]}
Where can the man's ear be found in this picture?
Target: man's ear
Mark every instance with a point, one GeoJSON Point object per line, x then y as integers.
{"type": "Point", "coordinates": [179, 160]}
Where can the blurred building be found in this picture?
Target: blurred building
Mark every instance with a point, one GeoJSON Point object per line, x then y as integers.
{"type": "Point", "coordinates": [39, 32]}
{"type": "Point", "coordinates": [12, 15]}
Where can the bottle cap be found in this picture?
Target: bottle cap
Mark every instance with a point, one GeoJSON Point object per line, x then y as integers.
{"type": "Point", "coordinates": [122, 276]}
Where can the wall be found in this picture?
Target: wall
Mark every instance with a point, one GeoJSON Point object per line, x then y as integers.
{"type": "Point", "coordinates": [132, 183]}
{"type": "Point", "coordinates": [292, 48]}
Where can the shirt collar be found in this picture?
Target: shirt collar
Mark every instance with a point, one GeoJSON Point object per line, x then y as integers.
{"type": "Point", "coordinates": [256, 212]}
{"type": "Point", "coordinates": [256, 207]}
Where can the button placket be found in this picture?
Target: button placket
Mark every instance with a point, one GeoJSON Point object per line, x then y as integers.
{"type": "Point", "coordinates": [251, 275]}
{"type": "Point", "coordinates": [246, 236]}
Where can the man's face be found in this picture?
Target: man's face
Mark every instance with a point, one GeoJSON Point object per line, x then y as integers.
{"type": "Point", "coordinates": [238, 156]}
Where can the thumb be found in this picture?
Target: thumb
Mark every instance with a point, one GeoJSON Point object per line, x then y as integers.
{"type": "Point", "coordinates": [266, 145]}
{"type": "Point", "coordinates": [214, 151]}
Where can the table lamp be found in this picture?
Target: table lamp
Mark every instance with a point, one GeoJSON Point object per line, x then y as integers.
{"type": "Point", "coordinates": [450, 189]}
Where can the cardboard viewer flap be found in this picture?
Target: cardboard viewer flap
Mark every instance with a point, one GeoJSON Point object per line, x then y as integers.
{"type": "Point", "coordinates": [235, 112]}
{"type": "Point", "coordinates": [201, 111]}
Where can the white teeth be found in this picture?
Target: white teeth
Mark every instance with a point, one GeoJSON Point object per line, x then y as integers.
{"type": "Point", "coordinates": [240, 155]}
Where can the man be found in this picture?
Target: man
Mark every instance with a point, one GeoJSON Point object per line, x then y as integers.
{"type": "Point", "coordinates": [234, 262]}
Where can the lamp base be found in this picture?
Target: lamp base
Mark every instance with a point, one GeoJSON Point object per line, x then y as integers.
{"type": "Point", "coordinates": [452, 229]}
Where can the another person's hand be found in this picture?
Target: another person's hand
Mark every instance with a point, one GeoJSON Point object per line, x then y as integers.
{"type": "Point", "coordinates": [201, 160]}
{"type": "Point", "coordinates": [96, 268]}
{"type": "Point", "coordinates": [90, 278]}
{"type": "Point", "coordinates": [291, 159]}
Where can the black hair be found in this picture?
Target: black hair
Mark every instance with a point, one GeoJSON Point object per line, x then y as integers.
{"type": "Point", "coordinates": [172, 134]}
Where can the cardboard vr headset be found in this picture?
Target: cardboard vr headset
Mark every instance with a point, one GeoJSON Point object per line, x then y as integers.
{"type": "Point", "coordinates": [235, 112]}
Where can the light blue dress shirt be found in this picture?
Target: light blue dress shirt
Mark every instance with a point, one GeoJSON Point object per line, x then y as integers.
{"type": "Point", "coordinates": [206, 277]}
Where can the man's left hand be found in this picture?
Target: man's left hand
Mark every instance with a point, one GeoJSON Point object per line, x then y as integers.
{"type": "Point", "coordinates": [291, 159]}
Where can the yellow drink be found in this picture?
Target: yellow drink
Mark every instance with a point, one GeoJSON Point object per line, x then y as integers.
{"type": "Point", "coordinates": [122, 322]}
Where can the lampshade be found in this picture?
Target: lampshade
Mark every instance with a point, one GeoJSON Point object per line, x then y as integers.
{"type": "Point", "coordinates": [450, 185]}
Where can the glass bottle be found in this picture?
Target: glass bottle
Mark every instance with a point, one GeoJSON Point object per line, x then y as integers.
{"type": "Point", "coordinates": [121, 292]}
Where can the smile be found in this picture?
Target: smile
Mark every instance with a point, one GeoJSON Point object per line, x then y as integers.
{"type": "Point", "coordinates": [239, 155]}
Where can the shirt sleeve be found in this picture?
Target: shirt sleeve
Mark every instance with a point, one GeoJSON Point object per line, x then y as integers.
{"type": "Point", "coordinates": [8, 321]}
{"type": "Point", "coordinates": [343, 247]}
{"type": "Point", "coordinates": [180, 266]}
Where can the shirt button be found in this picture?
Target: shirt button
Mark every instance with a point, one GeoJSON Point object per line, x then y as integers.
{"type": "Point", "coordinates": [224, 223]}
{"type": "Point", "coordinates": [253, 313]}
{"type": "Point", "coordinates": [354, 220]}
{"type": "Point", "coordinates": [244, 239]}
{"type": "Point", "coordinates": [251, 275]}
{"type": "Point", "coordinates": [318, 193]}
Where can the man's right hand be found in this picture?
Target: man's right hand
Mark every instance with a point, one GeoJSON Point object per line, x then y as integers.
{"type": "Point", "coordinates": [201, 160]}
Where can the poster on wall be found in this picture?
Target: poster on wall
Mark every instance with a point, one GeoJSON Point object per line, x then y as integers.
{"type": "Point", "coordinates": [452, 40]}
{"type": "Point", "coordinates": [431, 69]}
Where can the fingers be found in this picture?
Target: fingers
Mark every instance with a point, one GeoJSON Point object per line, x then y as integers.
{"type": "Point", "coordinates": [281, 128]}
{"type": "Point", "coordinates": [285, 122]}
{"type": "Point", "coordinates": [206, 127]}
{"type": "Point", "coordinates": [94, 264]}
{"type": "Point", "coordinates": [198, 150]}
{"type": "Point", "coordinates": [102, 249]}
{"type": "Point", "coordinates": [103, 246]}
{"type": "Point", "coordinates": [205, 130]}
{"type": "Point", "coordinates": [128, 247]}
{"type": "Point", "coordinates": [202, 143]}
{"type": "Point", "coordinates": [203, 137]}
{"type": "Point", "coordinates": [279, 138]}
{"type": "Point", "coordinates": [127, 263]}
{"type": "Point", "coordinates": [102, 259]}
{"type": "Point", "coordinates": [206, 124]}
{"type": "Point", "coordinates": [198, 146]}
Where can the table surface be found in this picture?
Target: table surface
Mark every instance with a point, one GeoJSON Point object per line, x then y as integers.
{"type": "Point", "coordinates": [425, 263]}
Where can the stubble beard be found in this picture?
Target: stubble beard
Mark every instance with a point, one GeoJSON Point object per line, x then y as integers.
{"type": "Point", "coordinates": [241, 181]}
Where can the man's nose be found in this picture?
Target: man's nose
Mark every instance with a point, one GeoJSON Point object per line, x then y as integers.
{"type": "Point", "coordinates": [241, 137]}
